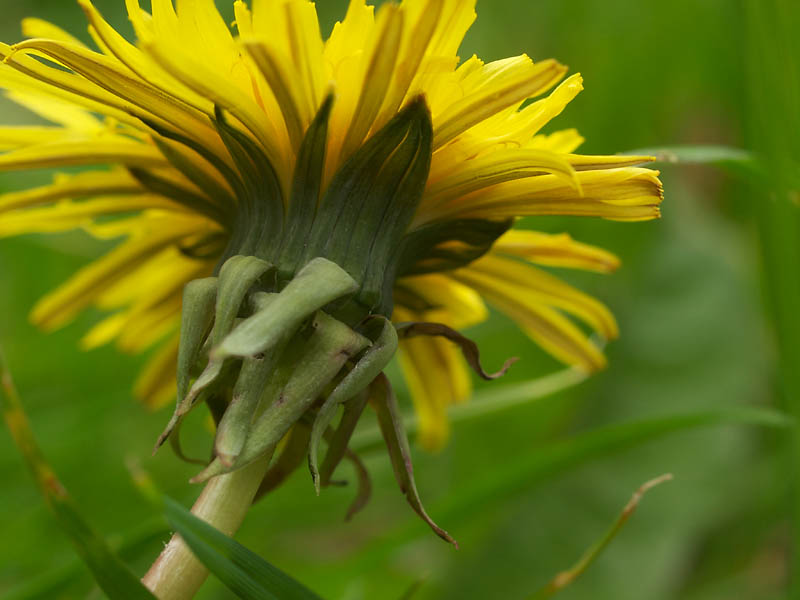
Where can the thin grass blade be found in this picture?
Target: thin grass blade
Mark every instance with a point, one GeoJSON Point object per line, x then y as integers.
{"type": "Point", "coordinates": [565, 578]}
{"type": "Point", "coordinates": [111, 574]}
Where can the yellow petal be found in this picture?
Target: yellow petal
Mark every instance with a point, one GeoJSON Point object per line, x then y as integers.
{"type": "Point", "coordinates": [550, 329]}
{"type": "Point", "coordinates": [110, 75]}
{"type": "Point", "coordinates": [105, 150]}
{"type": "Point", "coordinates": [305, 43]}
{"type": "Point", "coordinates": [511, 128]}
{"type": "Point", "coordinates": [459, 178]}
{"type": "Point", "coordinates": [378, 63]}
{"type": "Point", "coordinates": [492, 88]}
{"type": "Point", "coordinates": [421, 20]}
{"type": "Point", "coordinates": [165, 273]}
{"type": "Point", "coordinates": [197, 48]}
{"type": "Point", "coordinates": [58, 307]}
{"type": "Point", "coordinates": [347, 40]}
{"type": "Point", "coordinates": [622, 194]}
{"type": "Point", "coordinates": [140, 63]}
{"type": "Point", "coordinates": [277, 71]}
{"type": "Point", "coordinates": [210, 84]}
{"type": "Point", "coordinates": [564, 142]}
{"type": "Point", "coordinates": [555, 250]}
{"type": "Point", "coordinates": [457, 17]}
{"type": "Point", "coordinates": [156, 385]}
{"type": "Point", "coordinates": [149, 327]}
{"type": "Point", "coordinates": [37, 28]}
{"type": "Point", "coordinates": [19, 137]}
{"type": "Point", "coordinates": [58, 111]}
{"type": "Point", "coordinates": [82, 185]}
{"type": "Point", "coordinates": [68, 215]}
{"type": "Point", "coordinates": [438, 298]}
{"type": "Point", "coordinates": [152, 294]}
{"type": "Point", "coordinates": [545, 289]}
{"type": "Point", "coordinates": [203, 18]}
{"type": "Point", "coordinates": [23, 73]}
{"type": "Point", "coordinates": [244, 18]}
{"type": "Point", "coordinates": [531, 119]}
{"type": "Point", "coordinates": [105, 331]}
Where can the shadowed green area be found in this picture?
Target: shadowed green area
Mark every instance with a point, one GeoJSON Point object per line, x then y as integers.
{"type": "Point", "coordinates": [695, 337]}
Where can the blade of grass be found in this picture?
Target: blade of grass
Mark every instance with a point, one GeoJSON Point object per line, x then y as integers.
{"type": "Point", "coordinates": [773, 61]}
{"type": "Point", "coordinates": [565, 578]}
{"type": "Point", "coordinates": [114, 577]}
{"type": "Point", "coordinates": [488, 401]}
{"type": "Point", "coordinates": [738, 160]}
{"type": "Point", "coordinates": [245, 573]}
{"type": "Point", "coordinates": [131, 546]}
{"type": "Point", "coordinates": [539, 463]}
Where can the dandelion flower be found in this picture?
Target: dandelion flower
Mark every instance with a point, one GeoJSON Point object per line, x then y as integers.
{"type": "Point", "coordinates": [226, 161]}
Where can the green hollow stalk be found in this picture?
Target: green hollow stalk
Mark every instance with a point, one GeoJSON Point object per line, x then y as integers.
{"type": "Point", "coordinates": [318, 353]}
{"type": "Point", "coordinates": [177, 574]}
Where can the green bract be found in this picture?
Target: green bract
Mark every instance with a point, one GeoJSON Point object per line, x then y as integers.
{"type": "Point", "coordinates": [295, 323]}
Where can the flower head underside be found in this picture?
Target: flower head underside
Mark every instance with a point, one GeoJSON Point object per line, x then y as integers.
{"type": "Point", "coordinates": [377, 148]}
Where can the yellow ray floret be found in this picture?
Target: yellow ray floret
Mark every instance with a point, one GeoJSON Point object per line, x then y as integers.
{"type": "Point", "coordinates": [194, 127]}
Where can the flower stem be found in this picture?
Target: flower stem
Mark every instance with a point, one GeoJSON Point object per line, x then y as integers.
{"type": "Point", "coordinates": [177, 574]}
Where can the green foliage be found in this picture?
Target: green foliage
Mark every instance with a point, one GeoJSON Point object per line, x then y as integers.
{"type": "Point", "coordinates": [113, 577]}
{"type": "Point", "coordinates": [565, 578]}
{"type": "Point", "coordinates": [696, 341]}
{"type": "Point", "coordinates": [245, 573]}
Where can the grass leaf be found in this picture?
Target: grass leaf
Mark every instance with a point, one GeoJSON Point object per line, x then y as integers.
{"type": "Point", "coordinates": [741, 161]}
{"type": "Point", "coordinates": [565, 578]}
{"type": "Point", "coordinates": [111, 574]}
{"type": "Point", "coordinates": [540, 462]}
{"type": "Point", "coordinates": [245, 573]}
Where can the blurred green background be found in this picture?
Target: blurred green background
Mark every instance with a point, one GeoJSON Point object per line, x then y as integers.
{"type": "Point", "coordinates": [695, 336]}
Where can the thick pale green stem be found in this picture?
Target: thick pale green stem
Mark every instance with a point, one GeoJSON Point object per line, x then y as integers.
{"type": "Point", "coordinates": [177, 574]}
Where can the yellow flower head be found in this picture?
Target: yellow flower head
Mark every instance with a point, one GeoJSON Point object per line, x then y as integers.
{"type": "Point", "coordinates": [378, 148]}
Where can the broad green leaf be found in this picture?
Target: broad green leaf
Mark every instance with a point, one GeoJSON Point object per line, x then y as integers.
{"type": "Point", "coordinates": [245, 573]}
{"type": "Point", "coordinates": [113, 577]}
